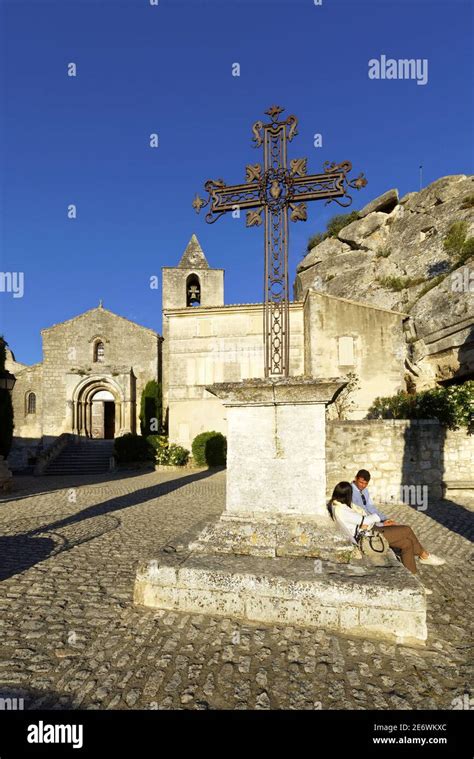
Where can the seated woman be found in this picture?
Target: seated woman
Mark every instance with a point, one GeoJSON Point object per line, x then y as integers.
{"type": "Point", "coordinates": [350, 518]}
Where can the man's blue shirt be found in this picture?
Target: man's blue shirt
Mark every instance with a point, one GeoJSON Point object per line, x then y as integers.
{"type": "Point", "coordinates": [368, 506]}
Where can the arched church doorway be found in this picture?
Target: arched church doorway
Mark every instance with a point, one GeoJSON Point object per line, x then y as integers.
{"type": "Point", "coordinates": [103, 415]}
{"type": "Point", "coordinates": [98, 409]}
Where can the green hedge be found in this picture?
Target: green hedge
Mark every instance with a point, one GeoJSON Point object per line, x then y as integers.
{"type": "Point", "coordinates": [129, 447]}
{"type": "Point", "coordinates": [210, 448]}
{"type": "Point", "coordinates": [452, 406]}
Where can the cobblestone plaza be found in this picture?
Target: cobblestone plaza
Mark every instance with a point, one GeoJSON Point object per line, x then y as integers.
{"type": "Point", "coordinates": [72, 638]}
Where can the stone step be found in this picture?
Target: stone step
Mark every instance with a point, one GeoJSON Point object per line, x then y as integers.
{"type": "Point", "coordinates": [79, 457]}
{"type": "Point", "coordinates": [75, 470]}
{"type": "Point", "coordinates": [91, 457]}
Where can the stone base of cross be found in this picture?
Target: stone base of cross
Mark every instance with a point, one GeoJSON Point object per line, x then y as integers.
{"type": "Point", "coordinates": [275, 556]}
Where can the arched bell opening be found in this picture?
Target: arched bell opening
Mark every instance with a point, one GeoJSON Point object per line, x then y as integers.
{"type": "Point", "coordinates": [193, 290]}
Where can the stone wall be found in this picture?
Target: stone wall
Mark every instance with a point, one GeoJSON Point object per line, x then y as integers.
{"type": "Point", "coordinates": [28, 380]}
{"type": "Point", "coordinates": [342, 336]}
{"type": "Point", "coordinates": [206, 345]}
{"type": "Point", "coordinates": [414, 455]}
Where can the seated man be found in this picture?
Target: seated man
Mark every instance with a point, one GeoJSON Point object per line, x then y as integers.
{"type": "Point", "coordinates": [398, 536]}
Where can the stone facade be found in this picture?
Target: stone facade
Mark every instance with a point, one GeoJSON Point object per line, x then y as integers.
{"type": "Point", "coordinates": [90, 381]}
{"type": "Point", "coordinates": [398, 453]}
{"type": "Point", "coordinates": [207, 341]}
{"type": "Point", "coordinates": [343, 336]}
{"type": "Point", "coordinates": [206, 345]}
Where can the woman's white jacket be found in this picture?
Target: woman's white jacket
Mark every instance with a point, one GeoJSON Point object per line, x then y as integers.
{"type": "Point", "coordinates": [350, 519]}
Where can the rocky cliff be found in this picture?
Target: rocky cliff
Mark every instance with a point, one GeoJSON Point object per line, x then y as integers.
{"type": "Point", "coordinates": [394, 255]}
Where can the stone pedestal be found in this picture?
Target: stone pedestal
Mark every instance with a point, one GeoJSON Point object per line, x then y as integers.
{"type": "Point", "coordinates": [276, 433]}
{"type": "Point", "coordinates": [275, 556]}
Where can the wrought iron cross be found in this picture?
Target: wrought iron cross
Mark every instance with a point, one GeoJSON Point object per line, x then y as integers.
{"type": "Point", "coordinates": [280, 192]}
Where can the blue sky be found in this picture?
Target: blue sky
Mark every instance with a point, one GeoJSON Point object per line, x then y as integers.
{"type": "Point", "coordinates": [167, 69]}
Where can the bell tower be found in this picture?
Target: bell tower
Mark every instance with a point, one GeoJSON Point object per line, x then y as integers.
{"type": "Point", "coordinates": [192, 283]}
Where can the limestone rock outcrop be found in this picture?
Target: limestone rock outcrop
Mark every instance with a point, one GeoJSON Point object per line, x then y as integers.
{"type": "Point", "coordinates": [394, 256]}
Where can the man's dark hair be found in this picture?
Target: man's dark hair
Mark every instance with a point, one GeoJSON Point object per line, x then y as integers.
{"type": "Point", "coordinates": [364, 474]}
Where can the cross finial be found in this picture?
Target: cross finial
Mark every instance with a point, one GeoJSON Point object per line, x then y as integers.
{"type": "Point", "coordinates": [274, 111]}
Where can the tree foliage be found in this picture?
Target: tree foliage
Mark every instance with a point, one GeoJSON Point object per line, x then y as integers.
{"type": "Point", "coordinates": [6, 408]}
{"type": "Point", "coordinates": [151, 408]}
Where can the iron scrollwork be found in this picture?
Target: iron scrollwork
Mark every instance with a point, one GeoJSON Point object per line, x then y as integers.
{"type": "Point", "coordinates": [282, 194]}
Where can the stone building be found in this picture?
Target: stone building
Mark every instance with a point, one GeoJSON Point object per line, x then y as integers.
{"type": "Point", "coordinates": [206, 341]}
{"type": "Point", "coordinates": [96, 365]}
{"type": "Point", "coordinates": [90, 381]}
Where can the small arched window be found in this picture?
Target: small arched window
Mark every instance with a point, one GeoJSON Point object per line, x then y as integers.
{"type": "Point", "coordinates": [99, 351]}
{"type": "Point", "coordinates": [31, 403]}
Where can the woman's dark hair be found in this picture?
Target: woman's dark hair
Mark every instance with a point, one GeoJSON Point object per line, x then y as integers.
{"type": "Point", "coordinates": [342, 493]}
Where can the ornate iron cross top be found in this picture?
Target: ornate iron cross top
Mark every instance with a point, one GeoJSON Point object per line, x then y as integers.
{"type": "Point", "coordinates": [280, 192]}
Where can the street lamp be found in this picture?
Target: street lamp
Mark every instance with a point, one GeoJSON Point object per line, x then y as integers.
{"type": "Point", "coordinates": [7, 380]}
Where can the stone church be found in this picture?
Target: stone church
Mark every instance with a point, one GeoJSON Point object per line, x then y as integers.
{"type": "Point", "coordinates": [89, 383]}
{"type": "Point", "coordinates": [96, 365]}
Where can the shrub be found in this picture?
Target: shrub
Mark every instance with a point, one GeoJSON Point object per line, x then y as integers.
{"type": "Point", "coordinates": [400, 283]}
{"type": "Point", "coordinates": [158, 441]}
{"type": "Point", "coordinates": [467, 251]}
{"type": "Point", "coordinates": [315, 240]}
{"type": "Point", "coordinates": [468, 202]}
{"type": "Point", "coordinates": [177, 455]}
{"type": "Point", "coordinates": [340, 221]}
{"type": "Point", "coordinates": [131, 447]}
{"type": "Point", "coordinates": [168, 453]}
{"type": "Point", "coordinates": [333, 227]}
{"type": "Point", "coordinates": [452, 406]}
{"type": "Point", "coordinates": [6, 409]}
{"type": "Point", "coordinates": [210, 448]}
{"type": "Point", "coordinates": [455, 238]}
{"type": "Point", "coordinates": [392, 283]}
{"type": "Point", "coordinates": [150, 408]}
{"type": "Point", "coordinates": [432, 283]}
{"type": "Point", "coordinates": [383, 253]}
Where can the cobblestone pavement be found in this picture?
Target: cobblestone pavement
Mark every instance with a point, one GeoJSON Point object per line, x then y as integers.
{"type": "Point", "coordinates": [72, 638]}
